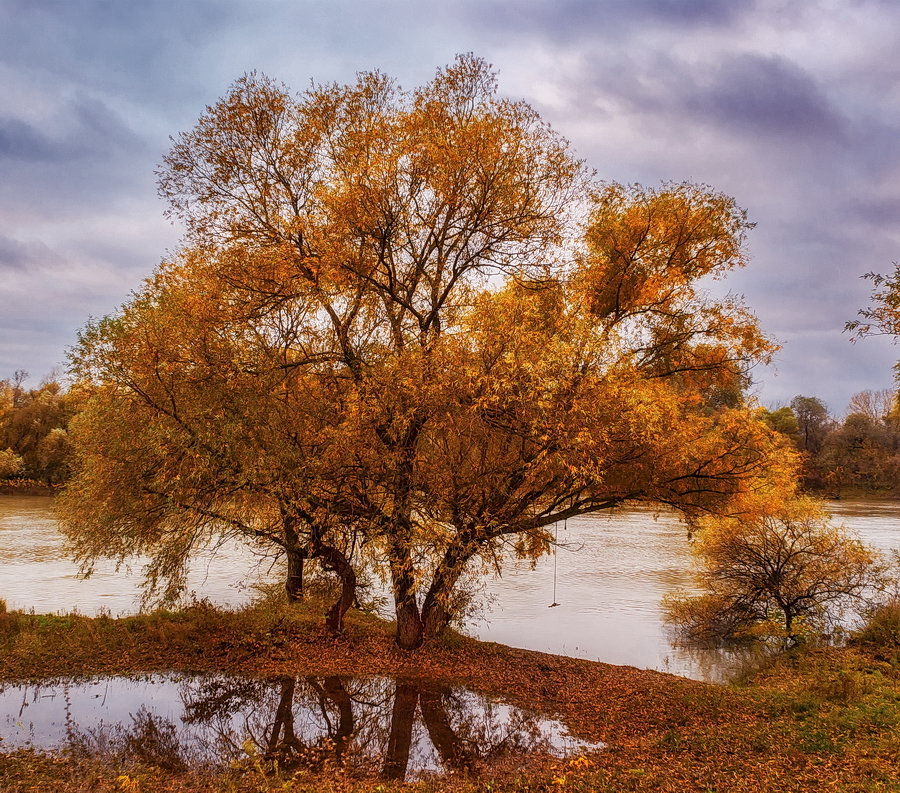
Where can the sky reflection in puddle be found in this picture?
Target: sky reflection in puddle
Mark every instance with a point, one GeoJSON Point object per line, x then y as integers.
{"type": "Point", "coordinates": [398, 729]}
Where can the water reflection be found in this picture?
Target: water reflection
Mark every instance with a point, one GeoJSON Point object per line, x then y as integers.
{"type": "Point", "coordinates": [397, 729]}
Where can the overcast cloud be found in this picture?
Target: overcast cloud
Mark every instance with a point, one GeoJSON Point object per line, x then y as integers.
{"type": "Point", "coordinates": [793, 108]}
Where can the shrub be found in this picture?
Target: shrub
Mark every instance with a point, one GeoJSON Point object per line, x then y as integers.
{"type": "Point", "coordinates": [882, 627]}
{"type": "Point", "coordinates": [780, 572]}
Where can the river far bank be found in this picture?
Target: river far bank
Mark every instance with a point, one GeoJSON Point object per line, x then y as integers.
{"type": "Point", "coordinates": [814, 719]}
{"type": "Point", "coordinates": [27, 487]}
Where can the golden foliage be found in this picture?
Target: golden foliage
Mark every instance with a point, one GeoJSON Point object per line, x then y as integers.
{"type": "Point", "coordinates": [387, 332]}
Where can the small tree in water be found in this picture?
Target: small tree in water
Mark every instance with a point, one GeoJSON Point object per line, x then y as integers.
{"type": "Point", "coordinates": [790, 567]}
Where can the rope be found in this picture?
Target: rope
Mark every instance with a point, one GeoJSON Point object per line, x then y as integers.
{"type": "Point", "coordinates": [555, 552]}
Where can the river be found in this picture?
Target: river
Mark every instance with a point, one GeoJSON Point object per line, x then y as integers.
{"type": "Point", "coordinates": [610, 573]}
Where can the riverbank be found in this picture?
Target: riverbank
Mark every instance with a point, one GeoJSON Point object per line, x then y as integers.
{"type": "Point", "coordinates": [27, 487]}
{"type": "Point", "coordinates": [815, 719]}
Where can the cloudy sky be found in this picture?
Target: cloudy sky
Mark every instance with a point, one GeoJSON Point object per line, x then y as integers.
{"type": "Point", "coordinates": [791, 107]}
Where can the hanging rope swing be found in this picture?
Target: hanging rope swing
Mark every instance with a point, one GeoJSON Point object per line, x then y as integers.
{"type": "Point", "coordinates": [555, 552]}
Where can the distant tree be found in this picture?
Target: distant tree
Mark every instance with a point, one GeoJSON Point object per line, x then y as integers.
{"type": "Point", "coordinates": [776, 566]}
{"type": "Point", "coordinates": [11, 464]}
{"type": "Point", "coordinates": [813, 421]}
{"type": "Point", "coordinates": [875, 405]}
{"type": "Point", "coordinates": [882, 317]}
{"type": "Point", "coordinates": [782, 420]}
{"type": "Point", "coordinates": [861, 452]}
{"type": "Point", "coordinates": [53, 454]}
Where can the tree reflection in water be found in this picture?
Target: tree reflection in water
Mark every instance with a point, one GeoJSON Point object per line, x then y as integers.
{"type": "Point", "coordinates": [362, 724]}
{"type": "Point", "coordinates": [398, 729]}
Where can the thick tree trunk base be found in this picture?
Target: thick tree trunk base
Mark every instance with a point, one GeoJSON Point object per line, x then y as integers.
{"type": "Point", "coordinates": [410, 630]}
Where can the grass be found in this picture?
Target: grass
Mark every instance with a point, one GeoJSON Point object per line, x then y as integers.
{"type": "Point", "coordinates": [814, 720]}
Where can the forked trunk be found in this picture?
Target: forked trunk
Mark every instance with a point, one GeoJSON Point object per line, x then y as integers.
{"type": "Point", "coordinates": [410, 628]}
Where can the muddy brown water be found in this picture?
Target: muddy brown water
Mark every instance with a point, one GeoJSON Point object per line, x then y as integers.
{"type": "Point", "coordinates": [609, 575]}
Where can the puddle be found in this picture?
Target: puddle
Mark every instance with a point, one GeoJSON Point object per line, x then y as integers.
{"type": "Point", "coordinates": [398, 729]}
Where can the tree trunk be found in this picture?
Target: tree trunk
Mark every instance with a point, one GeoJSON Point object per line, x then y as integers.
{"type": "Point", "coordinates": [789, 626]}
{"type": "Point", "coordinates": [435, 617]}
{"type": "Point", "coordinates": [436, 611]}
{"type": "Point", "coordinates": [293, 584]}
{"type": "Point", "coordinates": [335, 561]}
{"type": "Point", "coordinates": [410, 629]}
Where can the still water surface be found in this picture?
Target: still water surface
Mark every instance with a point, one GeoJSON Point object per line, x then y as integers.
{"type": "Point", "coordinates": [396, 728]}
{"type": "Point", "coordinates": [612, 571]}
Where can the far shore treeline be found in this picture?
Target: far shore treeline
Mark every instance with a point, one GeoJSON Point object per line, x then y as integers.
{"type": "Point", "coordinates": [34, 445]}
{"type": "Point", "coordinates": [857, 454]}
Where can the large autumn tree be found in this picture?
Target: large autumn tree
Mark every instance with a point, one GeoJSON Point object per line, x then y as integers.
{"type": "Point", "coordinates": [407, 330]}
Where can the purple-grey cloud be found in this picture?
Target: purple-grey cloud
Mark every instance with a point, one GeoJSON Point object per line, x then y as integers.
{"type": "Point", "coordinates": [878, 212]}
{"type": "Point", "coordinates": [794, 108]}
{"type": "Point", "coordinates": [763, 94]}
{"type": "Point", "coordinates": [21, 256]}
{"type": "Point", "coordinates": [745, 94]}
{"type": "Point", "coordinates": [579, 20]}
{"type": "Point", "coordinates": [81, 128]}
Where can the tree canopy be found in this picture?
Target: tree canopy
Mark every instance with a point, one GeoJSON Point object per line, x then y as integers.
{"type": "Point", "coordinates": [408, 330]}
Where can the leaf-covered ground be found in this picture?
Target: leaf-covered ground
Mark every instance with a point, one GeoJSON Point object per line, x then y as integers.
{"type": "Point", "coordinates": [815, 721]}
